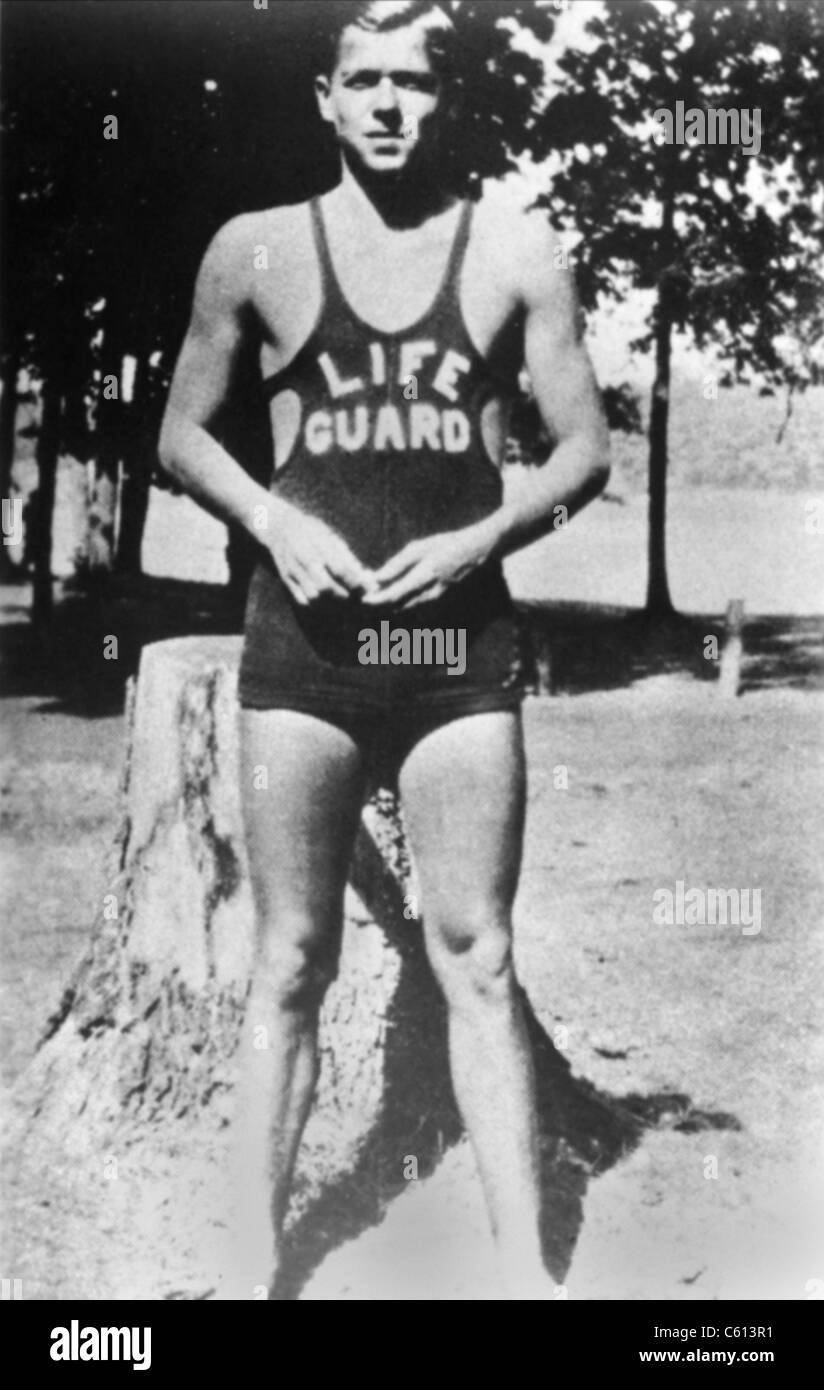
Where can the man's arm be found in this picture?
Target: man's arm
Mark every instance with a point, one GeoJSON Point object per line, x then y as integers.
{"type": "Point", "coordinates": [312, 561]}
{"type": "Point", "coordinates": [567, 397]}
{"type": "Point", "coordinates": [200, 386]}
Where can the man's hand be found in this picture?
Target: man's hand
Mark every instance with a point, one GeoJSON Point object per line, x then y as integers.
{"type": "Point", "coordinates": [425, 569]}
{"type": "Point", "coordinates": [312, 561]}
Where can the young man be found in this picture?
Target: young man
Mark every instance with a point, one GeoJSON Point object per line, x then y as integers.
{"type": "Point", "coordinates": [392, 320]}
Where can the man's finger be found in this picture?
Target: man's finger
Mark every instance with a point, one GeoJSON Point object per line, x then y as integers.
{"type": "Point", "coordinates": [398, 564]}
{"type": "Point", "coordinates": [295, 590]}
{"type": "Point", "coordinates": [324, 581]}
{"type": "Point", "coordinates": [304, 581]}
{"type": "Point", "coordinates": [331, 585]}
{"type": "Point", "coordinates": [401, 590]}
{"type": "Point", "coordinates": [348, 569]}
{"type": "Point", "coordinates": [427, 595]}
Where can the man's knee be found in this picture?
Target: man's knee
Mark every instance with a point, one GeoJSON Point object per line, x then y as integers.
{"type": "Point", "coordinates": [296, 964]}
{"type": "Point", "coordinates": [472, 954]}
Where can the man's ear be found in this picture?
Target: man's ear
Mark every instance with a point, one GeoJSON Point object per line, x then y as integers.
{"type": "Point", "coordinates": [323, 89]}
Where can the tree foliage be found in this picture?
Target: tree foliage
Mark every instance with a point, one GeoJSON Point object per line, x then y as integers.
{"type": "Point", "coordinates": [730, 242]}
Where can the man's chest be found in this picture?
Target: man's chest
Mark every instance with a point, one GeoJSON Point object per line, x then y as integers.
{"type": "Point", "coordinates": [390, 285]}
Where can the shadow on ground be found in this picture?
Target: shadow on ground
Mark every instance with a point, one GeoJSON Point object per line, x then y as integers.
{"type": "Point", "coordinates": [583, 1131]}
{"type": "Point", "coordinates": [577, 648]}
{"type": "Point", "coordinates": [64, 662]}
{"type": "Point", "coordinates": [570, 648]}
{"type": "Point", "coordinates": [784, 654]}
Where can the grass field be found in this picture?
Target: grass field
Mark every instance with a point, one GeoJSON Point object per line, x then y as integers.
{"type": "Point", "coordinates": [731, 441]}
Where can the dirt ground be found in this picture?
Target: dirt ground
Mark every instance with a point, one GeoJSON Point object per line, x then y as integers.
{"type": "Point", "coordinates": [665, 782]}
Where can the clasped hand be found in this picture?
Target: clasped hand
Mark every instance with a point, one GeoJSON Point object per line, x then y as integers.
{"type": "Point", "coordinates": [316, 563]}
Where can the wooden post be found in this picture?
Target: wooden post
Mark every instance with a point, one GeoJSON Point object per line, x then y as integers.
{"type": "Point", "coordinates": [729, 677]}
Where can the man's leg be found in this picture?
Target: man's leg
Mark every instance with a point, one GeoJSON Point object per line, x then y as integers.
{"type": "Point", "coordinates": [300, 831]}
{"type": "Point", "coordinates": [463, 790]}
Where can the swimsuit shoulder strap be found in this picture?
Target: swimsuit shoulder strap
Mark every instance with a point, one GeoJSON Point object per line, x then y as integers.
{"type": "Point", "coordinates": [454, 266]}
{"type": "Point", "coordinates": [319, 234]}
{"type": "Point", "coordinates": [331, 293]}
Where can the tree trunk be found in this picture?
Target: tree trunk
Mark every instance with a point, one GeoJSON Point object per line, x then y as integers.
{"type": "Point", "coordinates": [659, 604]}
{"type": "Point", "coordinates": [42, 501]}
{"type": "Point", "coordinates": [104, 468]}
{"type": "Point", "coordinates": [136, 487]}
{"type": "Point", "coordinates": [8, 421]}
{"type": "Point", "coordinates": [101, 520]}
{"type": "Point", "coordinates": [137, 479]}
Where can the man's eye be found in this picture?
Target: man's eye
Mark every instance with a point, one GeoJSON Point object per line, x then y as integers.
{"type": "Point", "coordinates": [418, 84]}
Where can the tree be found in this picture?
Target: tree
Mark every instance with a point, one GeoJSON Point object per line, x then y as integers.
{"type": "Point", "coordinates": [729, 242]}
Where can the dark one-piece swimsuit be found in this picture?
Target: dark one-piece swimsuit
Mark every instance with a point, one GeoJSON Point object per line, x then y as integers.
{"type": "Point", "coordinates": [387, 448]}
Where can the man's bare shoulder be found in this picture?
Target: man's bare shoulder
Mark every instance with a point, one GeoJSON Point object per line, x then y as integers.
{"type": "Point", "coordinates": [517, 233]}
{"type": "Point", "coordinates": [250, 242]}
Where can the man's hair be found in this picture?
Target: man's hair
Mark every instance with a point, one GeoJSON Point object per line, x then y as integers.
{"type": "Point", "coordinates": [380, 16]}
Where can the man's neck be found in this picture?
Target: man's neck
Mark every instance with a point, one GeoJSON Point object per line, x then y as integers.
{"type": "Point", "coordinates": [400, 201]}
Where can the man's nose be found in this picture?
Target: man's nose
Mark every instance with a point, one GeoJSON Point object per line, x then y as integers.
{"type": "Point", "coordinates": [386, 99]}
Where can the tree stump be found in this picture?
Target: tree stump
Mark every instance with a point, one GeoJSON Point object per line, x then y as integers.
{"type": "Point", "coordinates": [136, 1067]}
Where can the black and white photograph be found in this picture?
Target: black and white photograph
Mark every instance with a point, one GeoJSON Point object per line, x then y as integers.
{"type": "Point", "coordinates": [412, 694]}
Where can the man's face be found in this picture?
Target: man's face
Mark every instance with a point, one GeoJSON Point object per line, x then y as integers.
{"type": "Point", "coordinates": [383, 97]}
